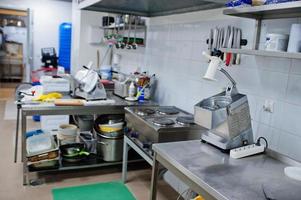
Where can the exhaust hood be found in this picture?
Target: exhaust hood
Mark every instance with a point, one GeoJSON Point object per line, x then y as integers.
{"type": "Point", "coordinates": [150, 8]}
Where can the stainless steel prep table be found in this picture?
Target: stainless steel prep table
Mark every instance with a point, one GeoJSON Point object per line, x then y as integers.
{"type": "Point", "coordinates": [51, 109]}
{"type": "Point", "coordinates": [215, 175]}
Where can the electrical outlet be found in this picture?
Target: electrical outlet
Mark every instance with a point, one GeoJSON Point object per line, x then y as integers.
{"type": "Point", "coordinates": [268, 106]}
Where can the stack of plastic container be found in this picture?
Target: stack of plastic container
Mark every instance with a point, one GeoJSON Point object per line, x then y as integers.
{"type": "Point", "coordinates": [65, 45]}
{"type": "Point", "coordinates": [42, 151]}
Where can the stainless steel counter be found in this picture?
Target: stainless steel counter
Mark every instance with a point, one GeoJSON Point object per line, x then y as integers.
{"type": "Point", "coordinates": [50, 109]}
{"type": "Point", "coordinates": [217, 176]}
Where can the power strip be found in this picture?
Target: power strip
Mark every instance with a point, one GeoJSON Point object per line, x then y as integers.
{"type": "Point", "coordinates": [248, 150]}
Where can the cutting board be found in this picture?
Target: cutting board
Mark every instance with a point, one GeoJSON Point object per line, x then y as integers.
{"type": "Point", "coordinates": [69, 102]}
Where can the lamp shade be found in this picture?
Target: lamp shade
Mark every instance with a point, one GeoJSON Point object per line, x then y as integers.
{"type": "Point", "coordinates": [214, 65]}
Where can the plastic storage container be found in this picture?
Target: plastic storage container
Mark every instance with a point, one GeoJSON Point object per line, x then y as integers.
{"type": "Point", "coordinates": [37, 144]}
{"type": "Point", "coordinates": [276, 42]}
{"type": "Point", "coordinates": [106, 72]}
{"type": "Point", "coordinates": [65, 45]}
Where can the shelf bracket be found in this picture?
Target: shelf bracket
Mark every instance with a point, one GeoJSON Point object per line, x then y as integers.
{"type": "Point", "coordinates": [258, 24]}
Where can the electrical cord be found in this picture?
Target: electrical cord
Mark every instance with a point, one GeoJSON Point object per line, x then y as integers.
{"type": "Point", "coordinates": [189, 194]}
{"type": "Point", "coordinates": [181, 194]}
{"type": "Point", "coordinates": [265, 140]}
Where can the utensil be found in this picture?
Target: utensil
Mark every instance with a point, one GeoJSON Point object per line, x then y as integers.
{"type": "Point", "coordinates": [122, 44]}
{"type": "Point", "coordinates": [73, 152]}
{"type": "Point", "coordinates": [210, 42]}
{"type": "Point", "coordinates": [215, 38]}
{"type": "Point", "coordinates": [229, 45]}
{"type": "Point", "coordinates": [234, 45]}
{"type": "Point", "coordinates": [225, 42]}
{"type": "Point", "coordinates": [134, 45]}
{"type": "Point", "coordinates": [238, 43]}
{"type": "Point", "coordinates": [128, 45]}
{"type": "Point", "coordinates": [111, 127]}
{"type": "Point", "coordinates": [221, 38]}
{"type": "Point", "coordinates": [110, 148]}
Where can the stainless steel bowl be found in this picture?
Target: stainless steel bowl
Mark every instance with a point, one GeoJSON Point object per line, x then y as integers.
{"type": "Point", "coordinates": [215, 103]}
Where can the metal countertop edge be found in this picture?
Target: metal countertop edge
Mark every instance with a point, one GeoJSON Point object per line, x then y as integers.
{"type": "Point", "coordinates": [191, 176]}
{"type": "Point", "coordinates": [273, 154]}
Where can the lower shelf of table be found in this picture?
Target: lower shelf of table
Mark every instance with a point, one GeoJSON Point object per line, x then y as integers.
{"type": "Point", "coordinates": [92, 161]}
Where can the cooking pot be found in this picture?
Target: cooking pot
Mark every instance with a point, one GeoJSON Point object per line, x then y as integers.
{"type": "Point", "coordinates": [110, 148]}
{"type": "Point", "coordinates": [109, 125]}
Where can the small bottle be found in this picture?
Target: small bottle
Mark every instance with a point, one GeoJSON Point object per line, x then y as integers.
{"type": "Point", "coordinates": [132, 90]}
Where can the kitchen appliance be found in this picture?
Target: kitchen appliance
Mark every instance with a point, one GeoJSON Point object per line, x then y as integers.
{"type": "Point", "coordinates": [121, 88]}
{"type": "Point", "coordinates": [87, 84]}
{"type": "Point", "coordinates": [156, 124]}
{"type": "Point", "coordinates": [49, 57]}
{"type": "Point", "coordinates": [226, 115]}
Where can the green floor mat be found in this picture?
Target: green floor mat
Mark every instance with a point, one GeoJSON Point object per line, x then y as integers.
{"type": "Point", "coordinates": [98, 191]}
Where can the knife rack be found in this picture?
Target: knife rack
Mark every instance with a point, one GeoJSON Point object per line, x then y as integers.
{"type": "Point", "coordinates": [243, 42]}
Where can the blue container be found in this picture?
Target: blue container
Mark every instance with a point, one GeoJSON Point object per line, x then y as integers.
{"type": "Point", "coordinates": [141, 97]}
{"type": "Point", "coordinates": [65, 45]}
{"type": "Point", "coordinates": [35, 132]}
{"type": "Point", "coordinates": [36, 118]}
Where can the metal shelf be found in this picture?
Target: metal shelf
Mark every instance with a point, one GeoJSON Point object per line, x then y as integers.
{"type": "Point", "coordinates": [76, 166]}
{"type": "Point", "coordinates": [259, 13]}
{"type": "Point", "coordinates": [149, 8]}
{"type": "Point", "coordinates": [277, 54]}
{"type": "Point", "coordinates": [123, 26]}
{"type": "Point", "coordinates": [272, 11]}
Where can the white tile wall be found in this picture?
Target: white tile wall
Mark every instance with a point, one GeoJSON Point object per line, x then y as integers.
{"type": "Point", "coordinates": [173, 53]}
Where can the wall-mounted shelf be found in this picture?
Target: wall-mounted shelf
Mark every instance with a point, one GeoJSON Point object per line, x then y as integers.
{"type": "Point", "coordinates": [123, 26]}
{"type": "Point", "coordinates": [272, 11]}
{"type": "Point", "coordinates": [259, 13]}
{"type": "Point", "coordinates": [277, 54]}
{"type": "Point", "coordinates": [124, 30]}
{"type": "Point", "coordinates": [149, 8]}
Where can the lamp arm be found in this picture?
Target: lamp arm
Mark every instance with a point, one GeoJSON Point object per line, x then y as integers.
{"type": "Point", "coordinates": [228, 76]}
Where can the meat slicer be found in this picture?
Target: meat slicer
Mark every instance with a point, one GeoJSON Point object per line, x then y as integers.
{"type": "Point", "coordinates": [226, 115]}
{"type": "Point", "coordinates": [87, 84]}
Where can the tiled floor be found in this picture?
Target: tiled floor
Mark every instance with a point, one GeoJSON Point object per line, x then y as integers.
{"type": "Point", "coordinates": [11, 187]}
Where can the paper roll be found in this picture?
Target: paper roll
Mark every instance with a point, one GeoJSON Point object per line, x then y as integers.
{"type": "Point", "coordinates": [294, 45]}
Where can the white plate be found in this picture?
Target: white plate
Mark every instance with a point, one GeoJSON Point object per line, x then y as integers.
{"type": "Point", "coordinates": [293, 172]}
{"type": "Point", "coordinates": [130, 99]}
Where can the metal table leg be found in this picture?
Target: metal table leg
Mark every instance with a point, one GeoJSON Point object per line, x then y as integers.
{"type": "Point", "coordinates": [126, 148]}
{"type": "Point", "coordinates": [23, 148]}
{"type": "Point", "coordinates": [155, 172]}
{"type": "Point", "coordinates": [17, 133]}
